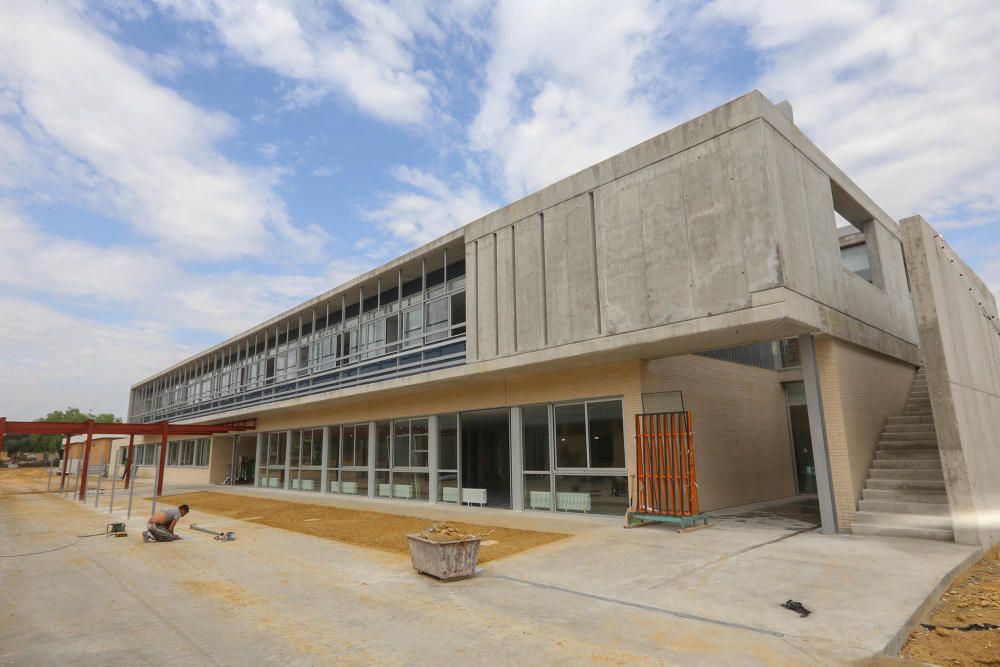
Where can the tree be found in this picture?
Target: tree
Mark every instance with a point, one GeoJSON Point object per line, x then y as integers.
{"type": "Point", "coordinates": [15, 444]}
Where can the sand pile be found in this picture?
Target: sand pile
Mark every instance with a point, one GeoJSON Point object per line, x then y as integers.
{"type": "Point", "coordinates": [974, 598]}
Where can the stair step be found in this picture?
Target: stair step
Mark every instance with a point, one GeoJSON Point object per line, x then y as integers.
{"type": "Point", "coordinates": [906, 464]}
{"type": "Point", "coordinates": [915, 444]}
{"type": "Point", "coordinates": [904, 507]}
{"type": "Point", "coordinates": [929, 454]}
{"type": "Point", "coordinates": [945, 535]}
{"type": "Point", "coordinates": [919, 419]}
{"type": "Point", "coordinates": [903, 520]}
{"type": "Point", "coordinates": [908, 485]}
{"type": "Point", "coordinates": [906, 473]}
{"type": "Point", "coordinates": [903, 496]}
{"type": "Point", "coordinates": [909, 436]}
{"type": "Point", "coordinates": [926, 427]}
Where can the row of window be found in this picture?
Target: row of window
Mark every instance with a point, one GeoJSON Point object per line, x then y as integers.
{"type": "Point", "coordinates": [414, 322]}
{"type": "Point", "coordinates": [180, 453]}
{"type": "Point", "coordinates": [573, 459]}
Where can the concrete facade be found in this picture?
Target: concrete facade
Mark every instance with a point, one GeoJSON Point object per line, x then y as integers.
{"type": "Point", "coordinates": [720, 232]}
{"type": "Point", "coordinates": [960, 340]}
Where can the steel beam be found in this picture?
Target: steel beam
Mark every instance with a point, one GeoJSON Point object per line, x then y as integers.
{"type": "Point", "coordinates": [86, 459]}
{"type": "Point", "coordinates": [163, 461]}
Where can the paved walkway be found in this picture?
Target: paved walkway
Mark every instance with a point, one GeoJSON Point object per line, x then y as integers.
{"type": "Point", "coordinates": [641, 596]}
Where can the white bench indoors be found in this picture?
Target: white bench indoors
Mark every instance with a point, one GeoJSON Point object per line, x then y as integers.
{"type": "Point", "coordinates": [345, 487]}
{"type": "Point", "coordinates": [474, 497]}
{"type": "Point", "coordinates": [273, 482]}
{"type": "Point", "coordinates": [565, 500]}
{"type": "Point", "coordinates": [399, 490]}
{"type": "Point", "coordinates": [303, 484]}
{"type": "Point", "coordinates": [449, 494]}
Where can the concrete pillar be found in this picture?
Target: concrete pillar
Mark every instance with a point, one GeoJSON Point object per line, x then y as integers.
{"type": "Point", "coordinates": [288, 459]}
{"type": "Point", "coordinates": [817, 434]}
{"type": "Point", "coordinates": [516, 461]}
{"type": "Point", "coordinates": [432, 457]}
{"type": "Point", "coordinates": [324, 475]}
{"type": "Point", "coordinates": [259, 460]}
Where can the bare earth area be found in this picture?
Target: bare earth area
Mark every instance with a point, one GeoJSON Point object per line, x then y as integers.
{"type": "Point", "coordinates": [973, 598]}
{"type": "Point", "coordinates": [24, 480]}
{"type": "Point", "coordinates": [375, 530]}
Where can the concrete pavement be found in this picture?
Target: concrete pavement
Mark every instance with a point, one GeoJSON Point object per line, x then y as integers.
{"type": "Point", "coordinates": [643, 596]}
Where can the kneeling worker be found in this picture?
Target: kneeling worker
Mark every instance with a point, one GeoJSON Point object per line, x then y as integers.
{"type": "Point", "coordinates": [162, 523]}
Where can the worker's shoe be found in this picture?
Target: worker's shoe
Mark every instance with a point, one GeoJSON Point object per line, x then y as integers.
{"type": "Point", "coordinates": [146, 537]}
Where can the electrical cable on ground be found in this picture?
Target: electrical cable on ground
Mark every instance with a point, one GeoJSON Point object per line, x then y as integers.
{"type": "Point", "coordinates": [65, 546]}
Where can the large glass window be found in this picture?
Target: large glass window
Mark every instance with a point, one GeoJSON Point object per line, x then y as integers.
{"type": "Point", "coordinates": [535, 420]}
{"type": "Point", "coordinates": [590, 448]}
{"type": "Point", "coordinates": [571, 436]}
{"type": "Point", "coordinates": [606, 430]}
{"type": "Point", "coordinates": [448, 458]}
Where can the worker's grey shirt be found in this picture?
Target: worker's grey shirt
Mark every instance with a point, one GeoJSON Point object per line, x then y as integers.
{"type": "Point", "coordinates": [172, 515]}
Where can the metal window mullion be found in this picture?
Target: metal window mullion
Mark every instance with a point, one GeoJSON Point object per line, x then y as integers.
{"type": "Point", "coordinates": [552, 457]}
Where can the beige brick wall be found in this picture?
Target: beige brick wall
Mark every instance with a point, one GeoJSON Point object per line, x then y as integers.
{"type": "Point", "coordinates": [742, 449]}
{"type": "Point", "coordinates": [860, 389]}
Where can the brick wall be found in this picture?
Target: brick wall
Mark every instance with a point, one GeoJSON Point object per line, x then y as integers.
{"type": "Point", "coordinates": [860, 388]}
{"type": "Point", "coordinates": [743, 453]}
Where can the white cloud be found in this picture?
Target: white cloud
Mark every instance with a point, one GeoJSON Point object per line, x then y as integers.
{"type": "Point", "coordinates": [150, 154]}
{"type": "Point", "coordinates": [151, 287]}
{"type": "Point", "coordinates": [367, 58]}
{"type": "Point", "coordinates": [562, 87]}
{"type": "Point", "coordinates": [903, 95]}
{"type": "Point", "coordinates": [427, 207]}
{"type": "Point", "coordinates": [49, 359]}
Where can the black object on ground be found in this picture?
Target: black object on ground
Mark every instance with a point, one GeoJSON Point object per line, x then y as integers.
{"type": "Point", "coordinates": [796, 607]}
{"type": "Point", "coordinates": [972, 627]}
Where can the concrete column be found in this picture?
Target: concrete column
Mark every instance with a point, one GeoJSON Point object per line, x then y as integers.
{"type": "Point", "coordinates": [516, 461]}
{"type": "Point", "coordinates": [372, 445]}
{"type": "Point", "coordinates": [259, 460]}
{"type": "Point", "coordinates": [288, 459]}
{"type": "Point", "coordinates": [324, 476]}
{"type": "Point", "coordinates": [817, 434]}
{"type": "Point", "coordinates": [432, 457]}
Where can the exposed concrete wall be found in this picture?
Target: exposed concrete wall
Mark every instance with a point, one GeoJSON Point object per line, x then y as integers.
{"type": "Point", "coordinates": [960, 342]}
{"type": "Point", "coordinates": [811, 264]}
{"type": "Point", "coordinates": [743, 451]}
{"type": "Point", "coordinates": [696, 222]}
{"type": "Point", "coordinates": [860, 388]}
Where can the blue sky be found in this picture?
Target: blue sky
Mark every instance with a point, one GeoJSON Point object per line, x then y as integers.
{"type": "Point", "coordinates": [174, 171]}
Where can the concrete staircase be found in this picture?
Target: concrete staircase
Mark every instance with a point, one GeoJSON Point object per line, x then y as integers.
{"type": "Point", "coordinates": [905, 494]}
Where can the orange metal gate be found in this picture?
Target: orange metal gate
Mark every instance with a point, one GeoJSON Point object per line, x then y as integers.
{"type": "Point", "coordinates": [666, 486]}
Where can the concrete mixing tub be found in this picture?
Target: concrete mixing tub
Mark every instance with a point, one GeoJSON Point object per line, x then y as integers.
{"type": "Point", "coordinates": [447, 561]}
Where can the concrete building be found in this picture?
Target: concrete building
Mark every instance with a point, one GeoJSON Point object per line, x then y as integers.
{"type": "Point", "coordinates": [725, 267]}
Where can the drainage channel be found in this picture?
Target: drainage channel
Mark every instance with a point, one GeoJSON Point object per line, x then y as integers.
{"type": "Point", "coordinates": [644, 607]}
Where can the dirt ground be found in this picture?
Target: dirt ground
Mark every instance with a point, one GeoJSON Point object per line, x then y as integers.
{"type": "Point", "coordinates": [25, 480]}
{"type": "Point", "coordinates": [375, 530]}
{"type": "Point", "coordinates": [973, 598]}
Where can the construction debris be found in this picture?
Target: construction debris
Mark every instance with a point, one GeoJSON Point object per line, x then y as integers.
{"type": "Point", "coordinates": [445, 532]}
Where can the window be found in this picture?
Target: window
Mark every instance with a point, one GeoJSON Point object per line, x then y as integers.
{"type": "Point", "coordinates": [571, 436]}
{"type": "Point", "coordinates": [172, 453]}
{"type": "Point", "coordinates": [852, 224]}
{"type": "Point", "coordinates": [590, 458]}
{"type": "Point", "coordinates": [437, 314]}
{"type": "Point", "coordinates": [458, 313]}
{"type": "Point", "coordinates": [204, 447]}
{"type": "Point", "coordinates": [187, 453]}
{"type": "Point", "coordinates": [606, 431]}
{"type": "Point", "coordinates": [410, 443]}
{"type": "Point", "coordinates": [535, 419]}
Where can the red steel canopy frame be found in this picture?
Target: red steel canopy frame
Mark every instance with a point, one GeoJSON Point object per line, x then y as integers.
{"type": "Point", "coordinates": [163, 429]}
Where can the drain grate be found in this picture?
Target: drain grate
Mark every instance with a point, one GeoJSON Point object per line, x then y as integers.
{"type": "Point", "coordinates": [644, 607]}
